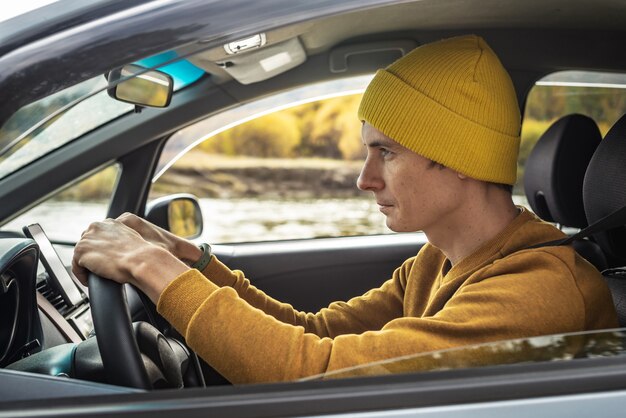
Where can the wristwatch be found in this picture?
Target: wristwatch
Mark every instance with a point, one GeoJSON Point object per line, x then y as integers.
{"type": "Point", "coordinates": [204, 259]}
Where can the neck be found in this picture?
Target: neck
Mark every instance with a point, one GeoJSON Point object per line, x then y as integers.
{"type": "Point", "coordinates": [473, 224]}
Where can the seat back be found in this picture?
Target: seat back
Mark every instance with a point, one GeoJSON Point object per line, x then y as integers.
{"type": "Point", "coordinates": [604, 192]}
{"type": "Point", "coordinates": [554, 174]}
{"type": "Point", "coordinates": [616, 281]}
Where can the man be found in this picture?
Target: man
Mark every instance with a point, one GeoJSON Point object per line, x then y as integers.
{"type": "Point", "coordinates": [441, 127]}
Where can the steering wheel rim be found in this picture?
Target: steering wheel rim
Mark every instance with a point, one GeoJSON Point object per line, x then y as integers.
{"type": "Point", "coordinates": [114, 333]}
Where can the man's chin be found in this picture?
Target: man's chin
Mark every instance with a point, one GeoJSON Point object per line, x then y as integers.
{"type": "Point", "coordinates": [399, 228]}
{"type": "Point", "coordinates": [394, 227]}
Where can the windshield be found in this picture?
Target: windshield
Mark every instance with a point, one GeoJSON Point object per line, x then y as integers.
{"type": "Point", "coordinates": [22, 141]}
{"type": "Point", "coordinates": [558, 347]}
{"type": "Point", "coordinates": [47, 124]}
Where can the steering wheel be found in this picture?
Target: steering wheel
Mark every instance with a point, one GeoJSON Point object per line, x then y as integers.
{"type": "Point", "coordinates": [117, 338]}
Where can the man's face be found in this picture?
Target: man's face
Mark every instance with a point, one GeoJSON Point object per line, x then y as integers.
{"type": "Point", "coordinates": [412, 192]}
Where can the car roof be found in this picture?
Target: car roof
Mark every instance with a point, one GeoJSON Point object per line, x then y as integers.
{"type": "Point", "coordinates": [83, 40]}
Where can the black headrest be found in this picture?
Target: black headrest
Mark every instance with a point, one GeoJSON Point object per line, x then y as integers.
{"type": "Point", "coordinates": [555, 169]}
{"type": "Point", "coordinates": [604, 188]}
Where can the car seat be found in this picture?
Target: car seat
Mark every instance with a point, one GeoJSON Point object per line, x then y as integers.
{"type": "Point", "coordinates": [604, 193]}
{"type": "Point", "coordinates": [554, 174]}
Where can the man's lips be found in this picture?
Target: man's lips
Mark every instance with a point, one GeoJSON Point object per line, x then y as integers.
{"type": "Point", "coordinates": [382, 206]}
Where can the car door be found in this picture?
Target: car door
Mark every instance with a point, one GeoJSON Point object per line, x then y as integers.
{"type": "Point", "coordinates": [310, 274]}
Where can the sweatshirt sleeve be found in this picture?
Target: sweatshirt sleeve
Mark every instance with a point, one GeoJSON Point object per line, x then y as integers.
{"type": "Point", "coordinates": [247, 346]}
{"type": "Point", "coordinates": [363, 313]}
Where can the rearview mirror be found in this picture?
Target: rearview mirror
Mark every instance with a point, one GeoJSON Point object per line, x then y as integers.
{"type": "Point", "coordinates": [180, 214]}
{"type": "Point", "coordinates": [150, 88]}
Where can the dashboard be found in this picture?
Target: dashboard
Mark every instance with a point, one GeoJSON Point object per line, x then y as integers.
{"type": "Point", "coordinates": [42, 305]}
{"type": "Point", "coordinates": [46, 327]}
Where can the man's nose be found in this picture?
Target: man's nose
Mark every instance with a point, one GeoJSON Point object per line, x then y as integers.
{"type": "Point", "coordinates": [369, 179]}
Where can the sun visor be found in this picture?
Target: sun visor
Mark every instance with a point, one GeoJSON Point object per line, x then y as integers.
{"type": "Point", "coordinates": [266, 62]}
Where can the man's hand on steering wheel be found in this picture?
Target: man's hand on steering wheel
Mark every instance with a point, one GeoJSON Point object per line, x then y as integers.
{"type": "Point", "coordinates": [111, 253]}
{"type": "Point", "coordinates": [117, 252]}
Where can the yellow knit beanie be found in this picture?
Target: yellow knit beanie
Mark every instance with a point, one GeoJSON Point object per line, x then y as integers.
{"type": "Point", "coordinates": [452, 102]}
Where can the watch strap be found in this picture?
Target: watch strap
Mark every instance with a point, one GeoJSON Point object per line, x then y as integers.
{"type": "Point", "coordinates": [204, 259]}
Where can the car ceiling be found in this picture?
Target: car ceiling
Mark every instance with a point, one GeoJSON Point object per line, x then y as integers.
{"type": "Point", "coordinates": [434, 16]}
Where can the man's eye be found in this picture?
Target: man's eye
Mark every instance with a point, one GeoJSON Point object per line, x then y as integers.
{"type": "Point", "coordinates": [384, 152]}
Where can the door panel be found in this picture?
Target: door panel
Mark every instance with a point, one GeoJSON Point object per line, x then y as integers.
{"type": "Point", "coordinates": [310, 274]}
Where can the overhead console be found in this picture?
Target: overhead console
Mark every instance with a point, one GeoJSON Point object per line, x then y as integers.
{"type": "Point", "coordinates": [255, 58]}
{"type": "Point", "coordinates": [262, 56]}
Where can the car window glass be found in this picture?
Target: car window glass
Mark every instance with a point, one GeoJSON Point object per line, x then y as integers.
{"type": "Point", "coordinates": [601, 96]}
{"type": "Point", "coordinates": [222, 153]}
{"type": "Point", "coordinates": [21, 144]}
{"type": "Point", "coordinates": [72, 112]}
{"type": "Point", "coordinates": [557, 347]}
{"type": "Point", "coordinates": [66, 214]}
{"type": "Point", "coordinates": [280, 168]}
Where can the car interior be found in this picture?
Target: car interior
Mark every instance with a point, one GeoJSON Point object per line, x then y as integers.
{"type": "Point", "coordinates": [573, 178]}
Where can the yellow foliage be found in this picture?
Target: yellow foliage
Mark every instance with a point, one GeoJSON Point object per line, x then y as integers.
{"type": "Point", "coordinates": [273, 135]}
{"type": "Point", "coordinates": [604, 127]}
{"type": "Point", "coordinates": [337, 125]}
{"type": "Point", "coordinates": [531, 131]}
{"type": "Point", "coordinates": [326, 128]}
{"type": "Point", "coordinates": [98, 186]}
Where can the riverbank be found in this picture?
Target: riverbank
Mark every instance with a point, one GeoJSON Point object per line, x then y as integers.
{"type": "Point", "coordinates": [215, 176]}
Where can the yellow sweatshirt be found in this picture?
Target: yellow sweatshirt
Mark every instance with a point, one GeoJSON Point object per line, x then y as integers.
{"type": "Point", "coordinates": [501, 291]}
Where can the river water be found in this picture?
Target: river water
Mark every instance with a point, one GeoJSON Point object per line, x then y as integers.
{"type": "Point", "coordinates": [234, 220]}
